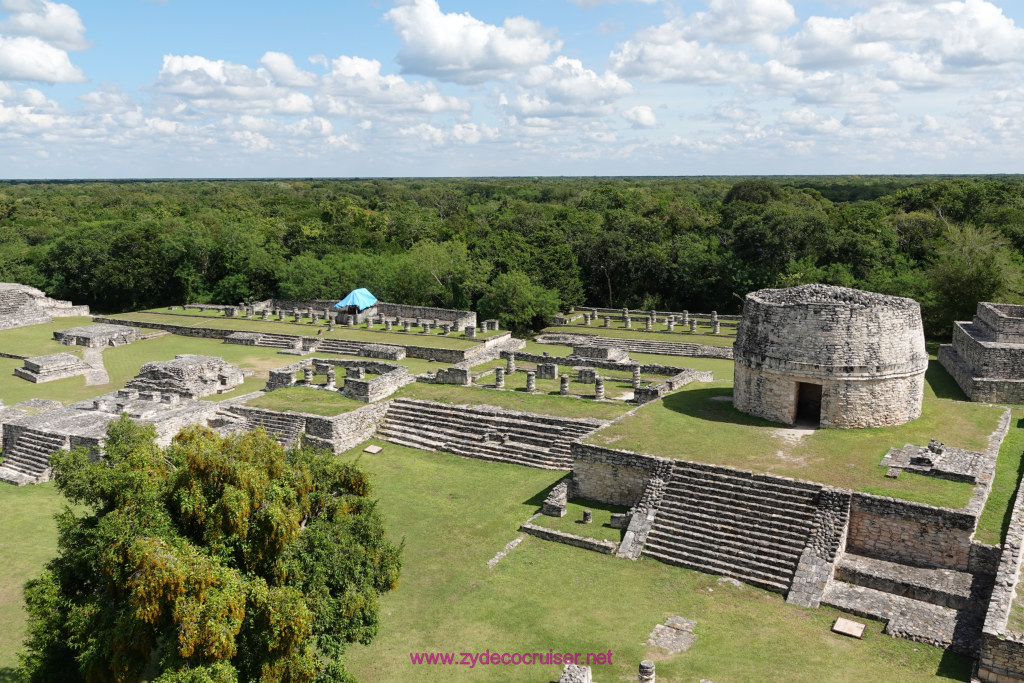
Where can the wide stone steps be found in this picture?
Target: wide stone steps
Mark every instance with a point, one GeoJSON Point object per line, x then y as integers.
{"type": "Point", "coordinates": [751, 527]}
{"type": "Point", "coordinates": [707, 511]}
{"type": "Point", "coordinates": [30, 454]}
{"type": "Point", "coordinates": [460, 426]}
{"type": "Point", "coordinates": [956, 630]}
{"type": "Point", "coordinates": [714, 565]}
{"type": "Point", "coordinates": [340, 347]}
{"type": "Point", "coordinates": [283, 430]}
{"type": "Point", "coordinates": [276, 341]}
{"type": "Point", "coordinates": [522, 438]}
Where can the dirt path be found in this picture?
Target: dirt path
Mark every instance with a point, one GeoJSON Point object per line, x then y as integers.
{"type": "Point", "coordinates": [97, 372]}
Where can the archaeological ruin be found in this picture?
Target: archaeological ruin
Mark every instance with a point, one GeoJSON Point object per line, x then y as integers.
{"type": "Point", "coordinates": [986, 357]}
{"type": "Point", "coordinates": [97, 336]}
{"type": "Point", "coordinates": [21, 305]}
{"type": "Point", "coordinates": [828, 355]}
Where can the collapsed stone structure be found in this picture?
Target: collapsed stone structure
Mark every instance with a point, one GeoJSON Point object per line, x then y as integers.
{"type": "Point", "coordinates": [841, 357]}
{"type": "Point", "coordinates": [187, 375]}
{"type": "Point", "coordinates": [98, 336]}
{"type": "Point", "coordinates": [21, 305]}
{"type": "Point", "coordinates": [52, 367]}
{"type": "Point", "coordinates": [986, 357]}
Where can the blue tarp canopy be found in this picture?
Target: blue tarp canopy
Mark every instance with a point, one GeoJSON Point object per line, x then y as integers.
{"type": "Point", "coordinates": [360, 298]}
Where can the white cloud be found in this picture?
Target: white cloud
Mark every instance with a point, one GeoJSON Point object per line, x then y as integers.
{"type": "Point", "coordinates": [658, 56]}
{"type": "Point", "coordinates": [640, 117]}
{"type": "Point", "coordinates": [461, 48]}
{"type": "Point", "coordinates": [218, 85]}
{"type": "Point", "coordinates": [590, 4]}
{"type": "Point", "coordinates": [355, 84]}
{"type": "Point", "coordinates": [31, 59]}
{"type": "Point", "coordinates": [54, 23]}
{"type": "Point", "coordinates": [565, 87]}
{"type": "Point", "coordinates": [282, 68]}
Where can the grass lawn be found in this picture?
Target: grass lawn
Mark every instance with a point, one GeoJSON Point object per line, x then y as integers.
{"type": "Point", "coordinates": [37, 340]}
{"type": "Point", "coordinates": [356, 334]}
{"type": "Point", "coordinates": [559, 406]}
{"type": "Point", "coordinates": [678, 427]}
{"type": "Point", "coordinates": [572, 522]}
{"type": "Point", "coordinates": [28, 541]}
{"type": "Point", "coordinates": [995, 518]}
{"type": "Point", "coordinates": [455, 514]}
{"type": "Point", "coordinates": [721, 367]}
{"type": "Point", "coordinates": [306, 400]}
{"type": "Point", "coordinates": [681, 334]}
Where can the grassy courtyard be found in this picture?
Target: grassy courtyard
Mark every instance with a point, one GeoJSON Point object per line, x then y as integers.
{"type": "Point", "coordinates": [306, 400]}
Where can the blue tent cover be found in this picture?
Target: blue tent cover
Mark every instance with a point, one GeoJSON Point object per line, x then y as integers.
{"type": "Point", "coordinates": [361, 298]}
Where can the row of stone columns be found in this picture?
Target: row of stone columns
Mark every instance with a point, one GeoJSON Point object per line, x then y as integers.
{"type": "Point", "coordinates": [716, 326]}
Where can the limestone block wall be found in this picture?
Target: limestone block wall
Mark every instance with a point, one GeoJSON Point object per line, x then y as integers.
{"type": "Point", "coordinates": [987, 358]}
{"type": "Point", "coordinates": [607, 475]}
{"type": "Point", "coordinates": [380, 387]}
{"type": "Point", "coordinates": [347, 430]}
{"type": "Point", "coordinates": [460, 319]}
{"type": "Point", "coordinates": [1003, 322]}
{"type": "Point", "coordinates": [910, 533]}
{"type": "Point", "coordinates": [865, 350]}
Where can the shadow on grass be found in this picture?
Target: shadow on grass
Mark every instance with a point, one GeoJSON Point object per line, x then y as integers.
{"type": "Point", "coordinates": [1008, 513]}
{"type": "Point", "coordinates": [537, 499]}
{"type": "Point", "coordinates": [954, 667]}
{"type": "Point", "coordinates": [9, 675]}
{"type": "Point", "coordinates": [704, 404]}
{"type": "Point", "coordinates": [942, 383]}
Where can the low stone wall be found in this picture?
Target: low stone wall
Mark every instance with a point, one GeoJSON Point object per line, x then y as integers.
{"type": "Point", "coordinates": [656, 391]}
{"type": "Point", "coordinates": [645, 368]}
{"type": "Point", "coordinates": [1002, 651]}
{"type": "Point", "coordinates": [459, 319]}
{"type": "Point", "coordinates": [380, 387]}
{"type": "Point", "coordinates": [663, 348]}
{"type": "Point", "coordinates": [181, 330]}
{"type": "Point", "coordinates": [605, 547]}
{"type": "Point", "coordinates": [459, 374]}
{"type": "Point", "coordinates": [612, 476]}
{"type": "Point", "coordinates": [345, 431]}
{"type": "Point", "coordinates": [910, 533]}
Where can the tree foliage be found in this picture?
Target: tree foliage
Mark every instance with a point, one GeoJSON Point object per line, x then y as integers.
{"type": "Point", "coordinates": [214, 559]}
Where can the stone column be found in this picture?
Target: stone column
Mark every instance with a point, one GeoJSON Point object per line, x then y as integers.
{"type": "Point", "coordinates": [266, 314]}
{"type": "Point", "coordinates": [426, 327]}
{"type": "Point", "coordinates": [470, 332]}
{"type": "Point", "coordinates": [510, 364]}
{"type": "Point", "coordinates": [628, 323]}
{"type": "Point", "coordinates": [636, 377]}
{"type": "Point", "coordinates": [646, 672]}
{"type": "Point", "coordinates": [671, 325]}
{"type": "Point", "coordinates": [499, 378]}
{"type": "Point", "coordinates": [607, 321]}
{"type": "Point", "coordinates": [497, 326]}
{"type": "Point", "coordinates": [387, 325]}
{"type": "Point", "coordinates": [356, 373]}
{"type": "Point", "coordinates": [531, 380]}
{"type": "Point", "coordinates": [307, 376]}
{"type": "Point", "coordinates": [563, 389]}
{"type": "Point", "coordinates": [298, 316]}
{"type": "Point", "coordinates": [714, 316]}
{"type": "Point", "coordinates": [625, 314]}
{"type": "Point", "coordinates": [588, 516]}
{"type": "Point", "coordinates": [280, 315]}
{"type": "Point", "coordinates": [716, 327]}
{"type": "Point", "coordinates": [686, 317]}
{"type": "Point", "coordinates": [330, 325]}
{"type": "Point", "coordinates": [586, 319]}
{"type": "Point", "coordinates": [369, 323]}
{"type": "Point", "coordinates": [316, 319]}
{"type": "Point", "coordinates": [650, 323]}
{"type": "Point", "coordinates": [446, 329]}
{"type": "Point", "coordinates": [351, 321]}
{"type": "Point", "coordinates": [599, 388]}
{"type": "Point", "coordinates": [693, 326]}
{"type": "Point", "coordinates": [332, 377]}
{"type": "Point", "coordinates": [406, 325]}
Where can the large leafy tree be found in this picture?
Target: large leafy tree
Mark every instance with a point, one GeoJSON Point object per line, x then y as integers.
{"type": "Point", "coordinates": [214, 559]}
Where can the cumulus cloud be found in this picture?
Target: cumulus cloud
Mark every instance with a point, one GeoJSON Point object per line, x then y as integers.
{"type": "Point", "coordinates": [219, 85]}
{"type": "Point", "coordinates": [565, 87]}
{"type": "Point", "coordinates": [54, 23]}
{"type": "Point", "coordinates": [461, 48]}
{"type": "Point", "coordinates": [355, 85]}
{"type": "Point", "coordinates": [659, 57]}
{"type": "Point", "coordinates": [640, 117]}
{"type": "Point", "coordinates": [31, 59]}
{"type": "Point", "coordinates": [590, 4]}
{"type": "Point", "coordinates": [282, 68]}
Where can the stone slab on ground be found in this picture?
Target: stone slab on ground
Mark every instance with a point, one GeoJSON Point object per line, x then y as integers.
{"type": "Point", "coordinates": [675, 635]}
{"type": "Point", "coordinates": [372, 450]}
{"type": "Point", "coordinates": [848, 627]}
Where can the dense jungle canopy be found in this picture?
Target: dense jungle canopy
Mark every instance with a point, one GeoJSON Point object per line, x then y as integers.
{"type": "Point", "coordinates": [518, 248]}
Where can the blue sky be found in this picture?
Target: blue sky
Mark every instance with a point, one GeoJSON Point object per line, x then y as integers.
{"type": "Point", "coordinates": [183, 88]}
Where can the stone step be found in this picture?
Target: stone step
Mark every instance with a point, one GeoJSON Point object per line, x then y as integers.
{"type": "Point", "coordinates": [736, 550]}
{"type": "Point", "coordinates": [712, 512]}
{"type": "Point", "coordinates": [12, 476]}
{"type": "Point", "coordinates": [682, 519]}
{"type": "Point", "coordinates": [402, 440]}
{"type": "Point", "coordinates": [468, 430]}
{"type": "Point", "coordinates": [506, 454]}
{"type": "Point", "coordinates": [768, 482]}
{"type": "Point", "coordinates": [959, 631]}
{"type": "Point", "coordinates": [763, 543]}
{"type": "Point", "coordinates": [755, 502]}
{"type": "Point", "coordinates": [443, 410]}
{"type": "Point", "coordinates": [715, 566]}
{"type": "Point", "coordinates": [450, 442]}
{"type": "Point", "coordinates": [478, 424]}
{"type": "Point", "coordinates": [740, 486]}
{"type": "Point", "coordinates": [942, 587]}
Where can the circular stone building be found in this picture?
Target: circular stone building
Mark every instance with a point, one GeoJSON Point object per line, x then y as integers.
{"type": "Point", "coordinates": [836, 356]}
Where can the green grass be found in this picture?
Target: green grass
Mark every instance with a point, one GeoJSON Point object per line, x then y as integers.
{"type": "Point", "coordinates": [559, 406]}
{"type": "Point", "coordinates": [995, 518]}
{"type": "Point", "coordinates": [721, 368]}
{"type": "Point", "coordinates": [572, 523]}
{"type": "Point", "coordinates": [357, 334]}
{"type": "Point", "coordinates": [248, 385]}
{"type": "Point", "coordinates": [660, 333]}
{"type": "Point", "coordinates": [37, 340]}
{"type": "Point", "coordinates": [679, 426]}
{"type": "Point", "coordinates": [28, 541]}
{"type": "Point", "coordinates": [455, 514]}
{"type": "Point", "coordinates": [306, 400]}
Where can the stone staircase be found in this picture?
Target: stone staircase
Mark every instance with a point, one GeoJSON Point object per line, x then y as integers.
{"type": "Point", "coordinates": [748, 526]}
{"type": "Point", "coordinates": [283, 428]}
{"type": "Point", "coordinates": [487, 433]}
{"type": "Point", "coordinates": [339, 346]}
{"type": "Point", "coordinates": [941, 607]}
{"type": "Point", "coordinates": [275, 341]}
{"type": "Point", "coordinates": [18, 309]}
{"type": "Point", "coordinates": [28, 460]}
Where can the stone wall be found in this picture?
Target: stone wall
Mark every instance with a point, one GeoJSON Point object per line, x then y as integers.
{"type": "Point", "coordinates": [987, 358]}
{"type": "Point", "coordinates": [604, 547]}
{"type": "Point", "coordinates": [612, 476]}
{"type": "Point", "coordinates": [1003, 322]}
{"type": "Point", "coordinates": [910, 533]}
{"type": "Point", "coordinates": [378, 388]}
{"type": "Point", "coordinates": [345, 431]}
{"type": "Point", "coordinates": [181, 330]}
{"type": "Point", "coordinates": [663, 348]}
{"type": "Point", "coordinates": [459, 319]}
{"type": "Point", "coordinates": [865, 350]}
{"type": "Point", "coordinates": [1002, 651]}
